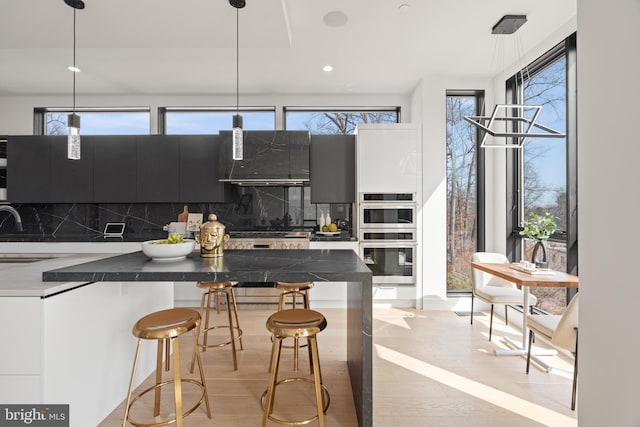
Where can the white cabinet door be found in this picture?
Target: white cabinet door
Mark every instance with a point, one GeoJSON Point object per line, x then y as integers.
{"type": "Point", "coordinates": [388, 158]}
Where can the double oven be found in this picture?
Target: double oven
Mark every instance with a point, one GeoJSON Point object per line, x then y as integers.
{"type": "Point", "coordinates": [388, 236]}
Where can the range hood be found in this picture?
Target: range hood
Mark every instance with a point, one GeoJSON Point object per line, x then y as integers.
{"type": "Point", "coordinates": [271, 158]}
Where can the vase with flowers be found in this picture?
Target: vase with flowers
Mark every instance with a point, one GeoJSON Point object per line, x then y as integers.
{"type": "Point", "coordinates": [539, 228]}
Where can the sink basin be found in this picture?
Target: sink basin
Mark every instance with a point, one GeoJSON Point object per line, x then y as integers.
{"type": "Point", "coordinates": [25, 258]}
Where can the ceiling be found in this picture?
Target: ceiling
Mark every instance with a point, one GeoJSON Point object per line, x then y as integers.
{"type": "Point", "coordinates": [187, 47]}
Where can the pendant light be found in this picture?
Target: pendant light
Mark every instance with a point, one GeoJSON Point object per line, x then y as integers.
{"type": "Point", "coordinates": [508, 120]}
{"type": "Point", "coordinates": [237, 134]}
{"type": "Point", "coordinates": [73, 120]}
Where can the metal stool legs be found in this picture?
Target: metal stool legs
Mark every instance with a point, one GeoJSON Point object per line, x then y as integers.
{"type": "Point", "coordinates": [219, 290]}
{"type": "Point", "coordinates": [165, 340]}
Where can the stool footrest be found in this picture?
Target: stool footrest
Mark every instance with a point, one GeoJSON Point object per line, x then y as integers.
{"type": "Point", "coordinates": [171, 420]}
{"type": "Point", "coordinates": [202, 332]}
{"type": "Point", "coordinates": [326, 400]}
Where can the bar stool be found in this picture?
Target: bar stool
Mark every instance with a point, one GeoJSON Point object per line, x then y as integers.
{"type": "Point", "coordinates": [165, 326]}
{"type": "Point", "coordinates": [292, 323]}
{"type": "Point", "coordinates": [292, 290]}
{"type": "Point", "coordinates": [218, 290]}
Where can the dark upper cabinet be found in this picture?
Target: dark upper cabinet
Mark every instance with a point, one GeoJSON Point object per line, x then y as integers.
{"type": "Point", "coordinates": [200, 169]}
{"type": "Point", "coordinates": [267, 155]}
{"type": "Point", "coordinates": [333, 176]}
{"type": "Point", "coordinates": [114, 169]}
{"type": "Point", "coordinates": [71, 180]}
{"type": "Point", "coordinates": [39, 171]}
{"type": "Point", "coordinates": [28, 169]}
{"type": "Point", "coordinates": [157, 168]}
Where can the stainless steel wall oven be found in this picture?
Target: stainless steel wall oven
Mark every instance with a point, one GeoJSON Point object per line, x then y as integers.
{"type": "Point", "coordinates": [388, 236]}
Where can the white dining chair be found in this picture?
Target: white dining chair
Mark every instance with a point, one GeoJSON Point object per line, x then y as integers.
{"type": "Point", "coordinates": [494, 290]}
{"type": "Point", "coordinates": [560, 331]}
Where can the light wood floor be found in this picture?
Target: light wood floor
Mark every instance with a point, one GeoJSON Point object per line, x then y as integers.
{"type": "Point", "coordinates": [431, 368]}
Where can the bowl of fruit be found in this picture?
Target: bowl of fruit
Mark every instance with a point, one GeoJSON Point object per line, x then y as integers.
{"type": "Point", "coordinates": [174, 247]}
{"type": "Point", "coordinates": [329, 230]}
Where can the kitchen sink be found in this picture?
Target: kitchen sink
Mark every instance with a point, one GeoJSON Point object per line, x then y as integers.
{"type": "Point", "coordinates": [25, 258]}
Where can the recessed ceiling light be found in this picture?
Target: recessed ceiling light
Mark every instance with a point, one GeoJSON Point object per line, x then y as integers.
{"type": "Point", "coordinates": [327, 68]}
{"type": "Point", "coordinates": [404, 8]}
{"type": "Point", "coordinates": [335, 19]}
{"type": "Point", "coordinates": [74, 69]}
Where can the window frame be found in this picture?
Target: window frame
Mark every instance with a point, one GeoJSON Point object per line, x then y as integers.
{"type": "Point", "coordinates": [299, 109]}
{"type": "Point", "coordinates": [514, 165]}
{"type": "Point", "coordinates": [162, 112]}
{"type": "Point", "coordinates": [40, 113]}
{"type": "Point", "coordinates": [480, 179]}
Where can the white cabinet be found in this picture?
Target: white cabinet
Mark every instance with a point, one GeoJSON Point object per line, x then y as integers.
{"type": "Point", "coordinates": [388, 158]}
{"type": "Point", "coordinates": [330, 294]}
{"type": "Point", "coordinates": [77, 347]}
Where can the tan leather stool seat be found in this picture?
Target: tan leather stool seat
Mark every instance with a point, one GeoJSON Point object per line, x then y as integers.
{"type": "Point", "coordinates": [218, 290]}
{"type": "Point", "coordinates": [165, 326]}
{"type": "Point", "coordinates": [295, 323]}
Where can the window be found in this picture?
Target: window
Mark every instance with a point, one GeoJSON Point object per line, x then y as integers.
{"type": "Point", "coordinates": [53, 121]}
{"type": "Point", "coordinates": [180, 121]}
{"type": "Point", "coordinates": [337, 121]}
{"type": "Point", "coordinates": [463, 174]}
{"type": "Point", "coordinates": [544, 170]}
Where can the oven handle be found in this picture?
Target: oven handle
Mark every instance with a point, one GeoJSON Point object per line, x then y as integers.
{"type": "Point", "coordinates": [387, 205]}
{"type": "Point", "coordinates": [392, 229]}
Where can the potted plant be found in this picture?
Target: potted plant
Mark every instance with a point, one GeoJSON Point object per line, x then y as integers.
{"type": "Point", "coordinates": [539, 228]}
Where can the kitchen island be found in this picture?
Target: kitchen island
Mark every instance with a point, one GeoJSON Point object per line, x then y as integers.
{"type": "Point", "coordinates": [264, 266]}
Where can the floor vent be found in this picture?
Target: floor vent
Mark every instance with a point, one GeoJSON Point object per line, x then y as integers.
{"type": "Point", "coordinates": [468, 313]}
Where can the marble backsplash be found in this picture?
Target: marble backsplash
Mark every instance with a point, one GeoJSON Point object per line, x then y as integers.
{"type": "Point", "coordinates": [255, 209]}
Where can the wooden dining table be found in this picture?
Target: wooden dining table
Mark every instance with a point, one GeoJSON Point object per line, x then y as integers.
{"type": "Point", "coordinates": [526, 280]}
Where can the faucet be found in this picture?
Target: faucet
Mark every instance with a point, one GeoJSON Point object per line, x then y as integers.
{"type": "Point", "coordinates": [15, 214]}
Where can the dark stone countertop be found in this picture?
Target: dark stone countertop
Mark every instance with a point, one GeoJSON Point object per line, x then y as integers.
{"type": "Point", "coordinates": [254, 265]}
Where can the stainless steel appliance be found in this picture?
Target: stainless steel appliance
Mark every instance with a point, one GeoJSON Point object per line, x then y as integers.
{"type": "Point", "coordinates": [388, 236]}
{"type": "Point", "coordinates": [386, 211]}
{"type": "Point", "coordinates": [248, 293]}
{"type": "Point", "coordinates": [268, 240]}
{"type": "Point", "coordinates": [390, 261]}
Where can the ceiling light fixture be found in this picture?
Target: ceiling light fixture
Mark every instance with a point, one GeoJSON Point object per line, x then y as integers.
{"type": "Point", "coordinates": [73, 120]}
{"type": "Point", "coordinates": [327, 68]}
{"type": "Point", "coordinates": [508, 120]}
{"type": "Point", "coordinates": [237, 134]}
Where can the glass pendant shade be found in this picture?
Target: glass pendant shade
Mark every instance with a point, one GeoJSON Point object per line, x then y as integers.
{"type": "Point", "coordinates": [73, 138]}
{"type": "Point", "coordinates": [238, 137]}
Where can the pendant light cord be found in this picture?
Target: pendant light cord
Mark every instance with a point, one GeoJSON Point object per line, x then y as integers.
{"type": "Point", "coordinates": [237, 61]}
{"type": "Point", "coordinates": [74, 61]}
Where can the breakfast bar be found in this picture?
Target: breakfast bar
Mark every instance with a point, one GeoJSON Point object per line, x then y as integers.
{"type": "Point", "coordinates": [266, 266]}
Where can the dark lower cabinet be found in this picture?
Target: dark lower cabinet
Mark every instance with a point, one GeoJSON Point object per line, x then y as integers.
{"type": "Point", "coordinates": [200, 169]}
{"type": "Point", "coordinates": [115, 169]}
{"type": "Point", "coordinates": [158, 167]}
{"type": "Point", "coordinates": [333, 171]}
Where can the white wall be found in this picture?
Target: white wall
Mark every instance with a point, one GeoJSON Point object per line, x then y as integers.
{"type": "Point", "coordinates": [16, 112]}
{"type": "Point", "coordinates": [608, 176]}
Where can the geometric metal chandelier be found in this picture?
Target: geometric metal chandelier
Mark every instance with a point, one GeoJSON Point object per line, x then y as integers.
{"type": "Point", "coordinates": [510, 121]}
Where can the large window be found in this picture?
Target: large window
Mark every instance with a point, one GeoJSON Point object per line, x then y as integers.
{"type": "Point", "coordinates": [134, 121]}
{"type": "Point", "coordinates": [544, 170]}
{"type": "Point", "coordinates": [462, 189]}
{"type": "Point", "coordinates": [337, 121]}
{"type": "Point", "coordinates": [181, 121]}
